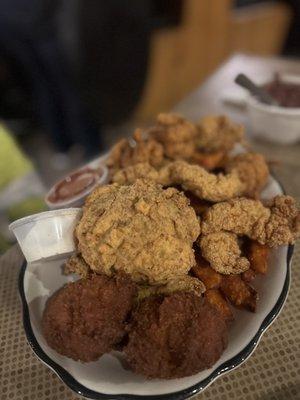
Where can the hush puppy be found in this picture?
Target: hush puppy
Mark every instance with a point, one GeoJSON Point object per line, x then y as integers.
{"type": "Point", "coordinates": [175, 336]}
{"type": "Point", "coordinates": [86, 318]}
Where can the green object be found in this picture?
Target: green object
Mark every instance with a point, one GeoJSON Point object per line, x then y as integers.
{"type": "Point", "coordinates": [13, 164]}
{"type": "Point", "coordinates": [31, 205]}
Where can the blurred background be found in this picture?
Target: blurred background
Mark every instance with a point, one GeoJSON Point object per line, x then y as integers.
{"type": "Point", "coordinates": [77, 74]}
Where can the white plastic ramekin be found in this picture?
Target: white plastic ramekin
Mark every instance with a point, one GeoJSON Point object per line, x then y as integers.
{"type": "Point", "coordinates": [273, 123]}
{"type": "Point", "coordinates": [78, 200]}
{"type": "Point", "coordinates": [47, 234]}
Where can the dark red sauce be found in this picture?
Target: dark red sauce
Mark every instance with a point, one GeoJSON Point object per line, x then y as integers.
{"type": "Point", "coordinates": [287, 94]}
{"type": "Point", "coordinates": [74, 184]}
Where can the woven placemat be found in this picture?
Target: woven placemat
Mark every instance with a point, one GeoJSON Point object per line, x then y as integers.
{"type": "Point", "coordinates": [272, 372]}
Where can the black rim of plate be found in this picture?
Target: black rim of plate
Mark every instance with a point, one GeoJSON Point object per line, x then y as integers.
{"type": "Point", "coordinates": [227, 366]}
{"type": "Point", "coordinates": [180, 395]}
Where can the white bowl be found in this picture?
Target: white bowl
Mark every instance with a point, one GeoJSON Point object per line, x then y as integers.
{"type": "Point", "coordinates": [106, 378]}
{"type": "Point", "coordinates": [78, 199]}
{"type": "Point", "coordinates": [273, 123]}
{"type": "Point", "coordinates": [46, 235]}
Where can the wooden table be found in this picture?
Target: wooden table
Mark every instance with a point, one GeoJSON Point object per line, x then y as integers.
{"type": "Point", "coordinates": [206, 100]}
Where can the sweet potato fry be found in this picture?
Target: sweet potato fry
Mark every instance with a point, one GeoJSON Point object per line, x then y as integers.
{"type": "Point", "coordinates": [216, 299]}
{"type": "Point", "coordinates": [258, 254]}
{"type": "Point", "coordinates": [208, 161]}
{"type": "Point", "coordinates": [238, 292]}
{"type": "Point", "coordinates": [205, 273]}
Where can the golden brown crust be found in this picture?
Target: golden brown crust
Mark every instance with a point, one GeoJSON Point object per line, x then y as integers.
{"type": "Point", "coordinates": [194, 178]}
{"type": "Point", "coordinates": [218, 132]}
{"type": "Point", "coordinates": [222, 224]}
{"type": "Point", "coordinates": [135, 150]}
{"type": "Point", "coordinates": [222, 251]}
{"type": "Point", "coordinates": [176, 134]}
{"type": "Point", "coordinates": [252, 170]}
{"type": "Point", "coordinates": [273, 225]}
{"type": "Point", "coordinates": [141, 229]}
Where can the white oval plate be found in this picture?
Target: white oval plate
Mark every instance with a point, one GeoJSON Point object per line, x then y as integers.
{"type": "Point", "coordinates": [106, 378]}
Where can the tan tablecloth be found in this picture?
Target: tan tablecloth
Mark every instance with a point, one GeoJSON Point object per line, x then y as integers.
{"type": "Point", "coordinates": [272, 372]}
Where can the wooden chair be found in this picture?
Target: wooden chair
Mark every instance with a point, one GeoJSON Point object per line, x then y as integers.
{"type": "Point", "coordinates": [210, 30]}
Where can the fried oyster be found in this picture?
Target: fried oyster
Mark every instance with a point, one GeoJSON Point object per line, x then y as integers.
{"type": "Point", "coordinates": [218, 132]}
{"type": "Point", "coordinates": [136, 150]}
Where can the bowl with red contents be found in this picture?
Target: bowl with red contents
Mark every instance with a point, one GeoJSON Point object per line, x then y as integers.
{"type": "Point", "coordinates": [280, 123]}
{"type": "Point", "coordinates": [72, 190]}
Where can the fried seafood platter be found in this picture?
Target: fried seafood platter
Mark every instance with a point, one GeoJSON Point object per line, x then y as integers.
{"type": "Point", "coordinates": [179, 258]}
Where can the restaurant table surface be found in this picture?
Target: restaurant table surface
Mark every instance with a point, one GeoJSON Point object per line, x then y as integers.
{"type": "Point", "coordinates": [273, 370]}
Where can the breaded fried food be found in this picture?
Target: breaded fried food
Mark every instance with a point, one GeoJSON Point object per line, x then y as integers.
{"type": "Point", "coordinates": [76, 265]}
{"type": "Point", "coordinates": [239, 293]}
{"type": "Point", "coordinates": [216, 299]}
{"type": "Point", "coordinates": [191, 178]}
{"type": "Point", "coordinates": [275, 224]}
{"type": "Point", "coordinates": [209, 161]}
{"type": "Point", "coordinates": [87, 318]}
{"type": "Point", "coordinates": [252, 170]}
{"type": "Point", "coordinates": [175, 336]}
{"type": "Point", "coordinates": [218, 132]}
{"type": "Point", "coordinates": [176, 134]}
{"type": "Point", "coordinates": [221, 225]}
{"type": "Point", "coordinates": [141, 229]}
{"type": "Point", "coordinates": [203, 184]}
{"type": "Point", "coordinates": [135, 150]}
{"type": "Point", "coordinates": [222, 251]}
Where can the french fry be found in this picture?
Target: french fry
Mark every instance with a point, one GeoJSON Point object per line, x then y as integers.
{"type": "Point", "coordinates": [216, 299]}
{"type": "Point", "coordinates": [206, 274]}
{"type": "Point", "coordinates": [208, 161]}
{"type": "Point", "coordinates": [258, 254]}
{"type": "Point", "coordinates": [238, 292]}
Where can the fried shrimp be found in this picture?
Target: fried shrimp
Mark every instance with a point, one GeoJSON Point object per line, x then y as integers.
{"type": "Point", "coordinates": [194, 178]}
{"type": "Point", "coordinates": [222, 251]}
{"type": "Point", "coordinates": [274, 225]}
{"type": "Point", "coordinates": [252, 170]}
